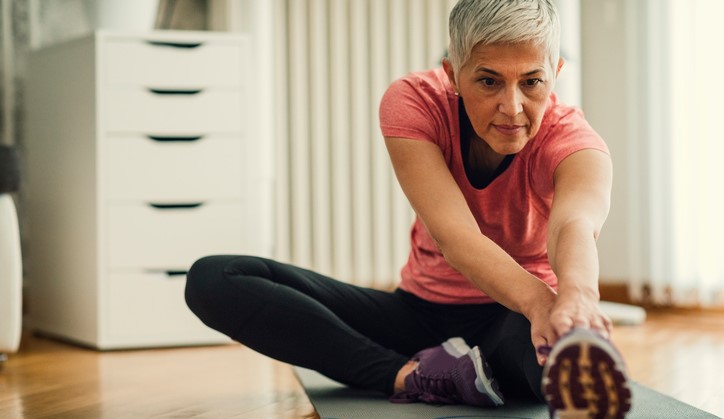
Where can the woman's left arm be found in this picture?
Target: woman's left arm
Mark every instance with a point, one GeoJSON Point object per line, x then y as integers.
{"type": "Point", "coordinates": [580, 206]}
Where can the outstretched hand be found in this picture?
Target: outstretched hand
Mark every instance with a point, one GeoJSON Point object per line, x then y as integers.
{"type": "Point", "coordinates": [542, 332]}
{"type": "Point", "coordinates": [553, 319]}
{"type": "Point", "coordinates": [576, 310]}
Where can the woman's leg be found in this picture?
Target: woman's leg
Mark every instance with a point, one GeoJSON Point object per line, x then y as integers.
{"type": "Point", "coordinates": [502, 335]}
{"type": "Point", "coordinates": [508, 349]}
{"type": "Point", "coordinates": [358, 336]}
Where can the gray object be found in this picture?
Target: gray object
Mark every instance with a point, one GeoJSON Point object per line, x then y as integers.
{"type": "Point", "coordinates": [623, 314]}
{"type": "Point", "coordinates": [11, 270]}
{"type": "Point", "coordinates": [335, 401]}
{"type": "Point", "coordinates": [9, 170]}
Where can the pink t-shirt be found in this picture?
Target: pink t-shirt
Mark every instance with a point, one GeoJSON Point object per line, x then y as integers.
{"type": "Point", "coordinates": [512, 210]}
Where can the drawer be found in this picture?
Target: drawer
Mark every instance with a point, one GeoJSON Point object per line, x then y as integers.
{"type": "Point", "coordinates": [143, 236]}
{"type": "Point", "coordinates": [148, 309]}
{"type": "Point", "coordinates": [141, 168]}
{"type": "Point", "coordinates": [196, 111]}
{"type": "Point", "coordinates": [163, 63]}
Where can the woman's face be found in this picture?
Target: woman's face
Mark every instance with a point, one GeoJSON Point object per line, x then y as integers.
{"type": "Point", "coordinates": [505, 88]}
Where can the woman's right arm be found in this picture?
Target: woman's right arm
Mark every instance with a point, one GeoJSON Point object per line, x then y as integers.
{"type": "Point", "coordinates": [436, 198]}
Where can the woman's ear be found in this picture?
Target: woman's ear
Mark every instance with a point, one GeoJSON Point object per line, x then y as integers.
{"type": "Point", "coordinates": [450, 74]}
{"type": "Point", "coordinates": [561, 61]}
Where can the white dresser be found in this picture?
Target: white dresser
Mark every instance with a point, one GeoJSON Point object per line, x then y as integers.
{"type": "Point", "coordinates": [141, 158]}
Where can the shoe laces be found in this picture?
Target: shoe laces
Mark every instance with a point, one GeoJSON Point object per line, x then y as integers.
{"type": "Point", "coordinates": [431, 389]}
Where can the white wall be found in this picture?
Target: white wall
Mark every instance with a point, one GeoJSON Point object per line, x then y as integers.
{"type": "Point", "coordinates": [568, 86]}
{"type": "Point", "coordinates": [605, 62]}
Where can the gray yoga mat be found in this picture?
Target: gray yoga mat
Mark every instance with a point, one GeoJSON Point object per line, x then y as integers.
{"type": "Point", "coordinates": [335, 401]}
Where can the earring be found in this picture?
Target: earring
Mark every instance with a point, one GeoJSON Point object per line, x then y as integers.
{"type": "Point", "coordinates": [457, 93]}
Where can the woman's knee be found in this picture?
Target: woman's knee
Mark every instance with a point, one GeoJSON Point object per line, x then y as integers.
{"type": "Point", "coordinates": [205, 270]}
{"type": "Point", "coordinates": [224, 292]}
{"type": "Point", "coordinates": [214, 282]}
{"type": "Point", "coordinates": [204, 280]}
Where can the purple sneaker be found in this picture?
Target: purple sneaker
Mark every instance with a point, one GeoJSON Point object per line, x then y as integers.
{"type": "Point", "coordinates": [585, 377]}
{"type": "Point", "coordinates": [451, 373]}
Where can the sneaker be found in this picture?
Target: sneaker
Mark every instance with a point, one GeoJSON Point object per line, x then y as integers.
{"type": "Point", "coordinates": [451, 373]}
{"type": "Point", "coordinates": [585, 377]}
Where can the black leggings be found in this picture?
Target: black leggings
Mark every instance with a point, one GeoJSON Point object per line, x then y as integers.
{"type": "Point", "coordinates": [358, 336]}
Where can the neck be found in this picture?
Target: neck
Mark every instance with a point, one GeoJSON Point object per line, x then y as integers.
{"type": "Point", "coordinates": [481, 156]}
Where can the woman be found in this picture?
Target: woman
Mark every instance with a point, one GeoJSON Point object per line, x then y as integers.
{"type": "Point", "coordinates": [511, 189]}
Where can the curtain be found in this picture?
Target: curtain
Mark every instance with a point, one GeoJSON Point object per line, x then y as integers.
{"type": "Point", "coordinates": [679, 153]}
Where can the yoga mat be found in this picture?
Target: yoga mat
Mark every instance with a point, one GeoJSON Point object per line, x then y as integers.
{"type": "Point", "coordinates": [336, 401]}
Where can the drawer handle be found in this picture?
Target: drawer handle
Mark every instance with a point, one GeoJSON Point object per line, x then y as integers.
{"type": "Point", "coordinates": [188, 205]}
{"type": "Point", "coordinates": [169, 273]}
{"type": "Point", "coordinates": [175, 138]}
{"type": "Point", "coordinates": [185, 45]}
{"type": "Point", "coordinates": [187, 92]}
{"type": "Point", "coordinates": [172, 274]}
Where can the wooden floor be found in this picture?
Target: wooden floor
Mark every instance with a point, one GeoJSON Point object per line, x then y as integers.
{"type": "Point", "coordinates": [681, 355]}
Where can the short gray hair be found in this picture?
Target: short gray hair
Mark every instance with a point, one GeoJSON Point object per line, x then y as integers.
{"type": "Point", "coordinates": [474, 22]}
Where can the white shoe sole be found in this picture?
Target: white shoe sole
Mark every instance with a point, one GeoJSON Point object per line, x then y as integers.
{"type": "Point", "coordinates": [484, 381]}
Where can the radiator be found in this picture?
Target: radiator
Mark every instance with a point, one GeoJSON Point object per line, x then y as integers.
{"type": "Point", "coordinates": [339, 209]}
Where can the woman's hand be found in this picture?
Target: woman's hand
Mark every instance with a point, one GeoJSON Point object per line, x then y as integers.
{"type": "Point", "coordinates": [542, 333]}
{"type": "Point", "coordinates": [554, 316]}
{"type": "Point", "coordinates": [577, 310]}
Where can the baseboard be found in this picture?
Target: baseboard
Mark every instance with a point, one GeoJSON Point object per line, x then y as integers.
{"type": "Point", "coordinates": [616, 292]}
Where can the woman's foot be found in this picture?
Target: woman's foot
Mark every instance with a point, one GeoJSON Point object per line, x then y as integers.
{"type": "Point", "coordinates": [451, 373]}
{"type": "Point", "coordinates": [585, 377]}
